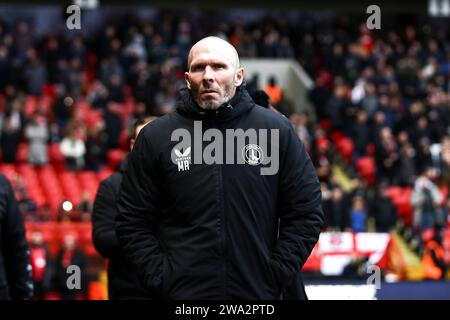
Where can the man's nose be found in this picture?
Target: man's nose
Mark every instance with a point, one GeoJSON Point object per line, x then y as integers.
{"type": "Point", "coordinates": [208, 74]}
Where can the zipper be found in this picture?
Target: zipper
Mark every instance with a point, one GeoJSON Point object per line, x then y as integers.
{"type": "Point", "coordinates": [222, 218]}
{"type": "Point", "coordinates": [223, 231]}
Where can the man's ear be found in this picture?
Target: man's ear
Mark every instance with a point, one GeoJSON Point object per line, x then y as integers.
{"type": "Point", "coordinates": [131, 144]}
{"type": "Point", "coordinates": [186, 78]}
{"type": "Point", "coordinates": [239, 77]}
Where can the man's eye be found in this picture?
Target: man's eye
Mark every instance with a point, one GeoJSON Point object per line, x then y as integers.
{"type": "Point", "coordinates": [197, 68]}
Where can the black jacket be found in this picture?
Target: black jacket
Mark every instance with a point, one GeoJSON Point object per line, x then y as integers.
{"type": "Point", "coordinates": [211, 231]}
{"type": "Point", "coordinates": [123, 280]}
{"type": "Point", "coordinates": [15, 269]}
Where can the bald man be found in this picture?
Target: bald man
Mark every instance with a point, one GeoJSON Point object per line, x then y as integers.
{"type": "Point", "coordinates": [220, 199]}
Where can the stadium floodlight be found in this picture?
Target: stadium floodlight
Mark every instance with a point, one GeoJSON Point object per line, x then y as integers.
{"type": "Point", "coordinates": [87, 4]}
{"type": "Point", "coordinates": [439, 8]}
{"type": "Point", "coordinates": [67, 206]}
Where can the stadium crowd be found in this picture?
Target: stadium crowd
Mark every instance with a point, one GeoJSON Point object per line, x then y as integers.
{"type": "Point", "coordinates": [383, 94]}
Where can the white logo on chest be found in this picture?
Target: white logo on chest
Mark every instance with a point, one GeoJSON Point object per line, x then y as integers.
{"type": "Point", "coordinates": [183, 159]}
{"type": "Point", "coordinates": [253, 154]}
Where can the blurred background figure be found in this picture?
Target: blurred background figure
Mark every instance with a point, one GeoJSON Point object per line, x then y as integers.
{"type": "Point", "coordinates": [73, 149]}
{"type": "Point", "coordinates": [37, 133]}
{"type": "Point", "coordinates": [123, 278]}
{"type": "Point", "coordinates": [70, 255]}
{"type": "Point", "coordinates": [434, 266]}
{"type": "Point", "coordinates": [41, 264]}
{"type": "Point", "coordinates": [426, 199]}
{"type": "Point", "coordinates": [15, 275]}
{"type": "Point", "coordinates": [85, 206]}
{"type": "Point", "coordinates": [12, 127]}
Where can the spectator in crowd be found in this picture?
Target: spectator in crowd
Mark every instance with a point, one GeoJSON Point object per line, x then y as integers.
{"type": "Point", "coordinates": [4, 67]}
{"type": "Point", "coordinates": [370, 101]}
{"type": "Point", "coordinates": [75, 79]}
{"type": "Point", "coordinates": [98, 96]}
{"type": "Point", "coordinates": [35, 73]}
{"type": "Point", "coordinates": [274, 92]}
{"type": "Point", "coordinates": [27, 206]}
{"type": "Point", "coordinates": [73, 149]}
{"type": "Point", "coordinates": [360, 133]}
{"type": "Point", "coordinates": [37, 133]}
{"type": "Point", "coordinates": [387, 156]}
{"type": "Point", "coordinates": [113, 125]}
{"type": "Point", "coordinates": [62, 107]}
{"type": "Point", "coordinates": [426, 200]}
{"type": "Point", "coordinates": [84, 208]}
{"type": "Point", "coordinates": [335, 107]}
{"type": "Point", "coordinates": [13, 123]}
{"type": "Point", "coordinates": [323, 159]}
{"type": "Point", "coordinates": [434, 266]}
{"type": "Point", "coordinates": [111, 71]}
{"type": "Point", "coordinates": [358, 215]}
{"type": "Point", "coordinates": [407, 168]}
{"type": "Point", "coordinates": [52, 56]}
{"type": "Point", "coordinates": [70, 255]}
{"type": "Point", "coordinates": [115, 89]}
{"type": "Point", "coordinates": [382, 210]}
{"type": "Point", "coordinates": [41, 265]}
{"type": "Point", "coordinates": [23, 37]}
{"type": "Point", "coordinates": [96, 146]}
{"type": "Point", "coordinates": [336, 210]}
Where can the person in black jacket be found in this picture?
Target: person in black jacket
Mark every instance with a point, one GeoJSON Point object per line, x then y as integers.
{"type": "Point", "coordinates": [220, 199]}
{"type": "Point", "coordinates": [15, 269]}
{"type": "Point", "coordinates": [123, 282]}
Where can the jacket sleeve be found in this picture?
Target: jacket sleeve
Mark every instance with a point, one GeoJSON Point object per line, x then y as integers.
{"type": "Point", "coordinates": [15, 249]}
{"type": "Point", "coordinates": [300, 210]}
{"type": "Point", "coordinates": [103, 221]}
{"type": "Point", "coordinates": [139, 210]}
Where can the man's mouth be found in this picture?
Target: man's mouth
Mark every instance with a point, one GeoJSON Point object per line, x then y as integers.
{"type": "Point", "coordinates": [208, 91]}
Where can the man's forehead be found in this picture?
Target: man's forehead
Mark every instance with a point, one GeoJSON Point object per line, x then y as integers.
{"type": "Point", "coordinates": [212, 52]}
{"type": "Point", "coordinates": [211, 57]}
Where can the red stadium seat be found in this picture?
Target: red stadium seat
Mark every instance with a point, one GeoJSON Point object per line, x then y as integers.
{"type": "Point", "coordinates": [22, 153]}
{"type": "Point", "coordinates": [49, 90]}
{"type": "Point", "coordinates": [336, 136]}
{"type": "Point", "coordinates": [30, 105]}
{"type": "Point", "coordinates": [55, 154]}
{"type": "Point", "coordinates": [115, 156]}
{"type": "Point", "coordinates": [366, 168]}
{"type": "Point", "coordinates": [325, 124]}
{"type": "Point", "coordinates": [345, 147]}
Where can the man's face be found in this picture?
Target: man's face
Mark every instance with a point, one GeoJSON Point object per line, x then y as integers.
{"type": "Point", "coordinates": [213, 74]}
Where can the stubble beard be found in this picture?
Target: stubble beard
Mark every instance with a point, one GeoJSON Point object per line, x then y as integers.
{"type": "Point", "coordinates": [213, 105]}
